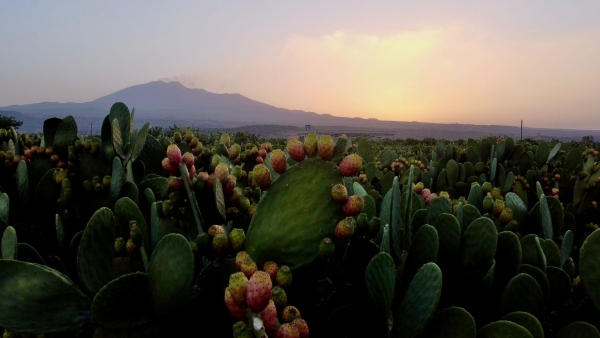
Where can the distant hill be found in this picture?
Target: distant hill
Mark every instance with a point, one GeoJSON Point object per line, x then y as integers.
{"type": "Point", "coordinates": [167, 103]}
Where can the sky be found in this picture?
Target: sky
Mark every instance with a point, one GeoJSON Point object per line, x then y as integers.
{"type": "Point", "coordinates": [462, 61]}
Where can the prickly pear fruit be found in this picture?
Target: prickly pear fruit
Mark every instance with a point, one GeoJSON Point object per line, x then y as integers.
{"type": "Point", "coordinates": [175, 183]}
{"type": "Point", "coordinates": [345, 228]}
{"type": "Point", "coordinates": [238, 284]}
{"type": "Point", "coordinates": [168, 167]}
{"type": "Point", "coordinates": [498, 207]}
{"type": "Point", "coordinates": [221, 244]}
{"type": "Point", "coordinates": [174, 154]}
{"type": "Point", "coordinates": [326, 248]}
{"type": "Point", "coordinates": [425, 193]}
{"type": "Point", "coordinates": [296, 150]}
{"type": "Point", "coordinates": [271, 268]}
{"type": "Point", "coordinates": [269, 317]}
{"type": "Point", "coordinates": [135, 233]}
{"type": "Point", "coordinates": [326, 147]}
{"type": "Point", "coordinates": [496, 194]}
{"type": "Point", "coordinates": [417, 188]}
{"type": "Point", "coordinates": [310, 145]}
{"type": "Point", "coordinates": [242, 330]}
{"type": "Point", "coordinates": [287, 330]}
{"type": "Point", "coordinates": [290, 313]}
{"type": "Point", "coordinates": [278, 161]}
{"type": "Point", "coordinates": [221, 172]}
{"type": "Point", "coordinates": [488, 202]}
{"type": "Point", "coordinates": [362, 223]}
{"type": "Point", "coordinates": [234, 151]}
{"type": "Point", "coordinates": [279, 296]}
{"type": "Point", "coordinates": [262, 176]}
{"type": "Point", "coordinates": [350, 165]}
{"type": "Point", "coordinates": [248, 267]}
{"type": "Point", "coordinates": [131, 246]}
{"type": "Point", "coordinates": [259, 290]}
{"type": "Point", "coordinates": [120, 246]}
{"type": "Point", "coordinates": [284, 277]}
{"type": "Point", "coordinates": [486, 187]}
{"type": "Point", "coordinates": [339, 193]}
{"type": "Point", "coordinates": [240, 258]}
{"type": "Point", "coordinates": [225, 139]}
{"type": "Point", "coordinates": [237, 239]}
{"type": "Point", "coordinates": [215, 229]}
{"type": "Point", "coordinates": [302, 327]}
{"type": "Point", "coordinates": [354, 205]}
{"type": "Point", "coordinates": [506, 215]}
{"type": "Point", "coordinates": [236, 310]}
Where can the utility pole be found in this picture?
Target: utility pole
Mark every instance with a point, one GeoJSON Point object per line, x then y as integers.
{"type": "Point", "coordinates": [521, 130]}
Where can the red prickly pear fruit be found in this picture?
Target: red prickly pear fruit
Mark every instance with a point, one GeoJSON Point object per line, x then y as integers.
{"type": "Point", "coordinates": [237, 239]}
{"type": "Point", "coordinates": [345, 228]}
{"type": "Point", "coordinates": [302, 327]}
{"type": "Point", "coordinates": [254, 151]}
{"type": "Point", "coordinates": [290, 313]}
{"type": "Point", "coordinates": [353, 206]}
{"type": "Point", "coordinates": [259, 291]}
{"type": "Point", "coordinates": [249, 268]}
{"type": "Point", "coordinates": [350, 165]}
{"type": "Point", "coordinates": [326, 248]}
{"type": "Point", "coordinates": [296, 150]}
{"type": "Point", "coordinates": [271, 268]}
{"type": "Point", "coordinates": [260, 160]}
{"type": "Point", "coordinates": [238, 284]}
{"type": "Point", "coordinates": [425, 193]}
{"type": "Point", "coordinates": [237, 311]}
{"type": "Point", "coordinates": [168, 167]}
{"type": "Point", "coordinates": [252, 210]}
{"type": "Point", "coordinates": [120, 246]}
{"type": "Point", "coordinates": [188, 136]}
{"type": "Point", "coordinates": [174, 154]}
{"type": "Point", "coordinates": [262, 153]}
{"type": "Point", "coordinates": [287, 330]}
{"type": "Point", "coordinates": [229, 185]}
{"type": "Point", "coordinates": [242, 330]}
{"type": "Point", "coordinates": [175, 183]}
{"type": "Point", "coordinates": [262, 176]}
{"type": "Point", "coordinates": [240, 258]}
{"type": "Point", "coordinates": [310, 145]}
{"type": "Point", "coordinates": [131, 246]}
{"type": "Point", "coordinates": [269, 317]}
{"type": "Point", "coordinates": [221, 244]}
{"type": "Point", "coordinates": [135, 233]}
{"type": "Point", "coordinates": [339, 193]}
{"type": "Point", "coordinates": [221, 172]}
{"type": "Point", "coordinates": [326, 147]}
{"type": "Point", "coordinates": [278, 161]}
{"type": "Point", "coordinates": [188, 159]}
{"type": "Point", "coordinates": [284, 277]}
{"type": "Point", "coordinates": [279, 296]}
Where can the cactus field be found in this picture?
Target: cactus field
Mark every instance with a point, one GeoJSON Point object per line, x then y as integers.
{"type": "Point", "coordinates": [136, 233]}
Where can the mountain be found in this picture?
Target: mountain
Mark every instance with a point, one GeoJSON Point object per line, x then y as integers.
{"type": "Point", "coordinates": [168, 103]}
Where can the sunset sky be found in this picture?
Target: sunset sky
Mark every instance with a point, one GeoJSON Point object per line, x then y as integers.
{"type": "Point", "coordinates": [462, 61]}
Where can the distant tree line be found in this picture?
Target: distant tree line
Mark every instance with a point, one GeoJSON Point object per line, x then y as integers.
{"type": "Point", "coordinates": [9, 121]}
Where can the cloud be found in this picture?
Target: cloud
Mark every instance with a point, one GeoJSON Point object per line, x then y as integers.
{"type": "Point", "coordinates": [456, 73]}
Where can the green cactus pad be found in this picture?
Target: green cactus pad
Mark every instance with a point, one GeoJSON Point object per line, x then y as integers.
{"type": "Point", "coordinates": [27, 253]}
{"type": "Point", "coordinates": [478, 247]}
{"type": "Point", "coordinates": [120, 112]}
{"type": "Point", "coordinates": [560, 285]}
{"type": "Point", "coordinates": [380, 278]}
{"type": "Point", "coordinates": [117, 178]}
{"type": "Point", "coordinates": [516, 204]}
{"type": "Point", "coordinates": [551, 252]}
{"type": "Point", "coordinates": [420, 301]}
{"type": "Point", "coordinates": [424, 249]}
{"type": "Point", "coordinates": [566, 247]}
{"type": "Point", "coordinates": [30, 294]}
{"type": "Point", "coordinates": [476, 197]}
{"type": "Point", "coordinates": [545, 218]}
{"type": "Point", "coordinates": [158, 185]}
{"type": "Point", "coordinates": [508, 256]}
{"type": "Point", "coordinates": [9, 244]}
{"type": "Point", "coordinates": [503, 329]}
{"type": "Point", "coordinates": [96, 250]}
{"type": "Point", "coordinates": [125, 211]}
{"type": "Point", "coordinates": [508, 182]}
{"type": "Point", "coordinates": [4, 207]}
{"type": "Point", "coordinates": [437, 206]}
{"type": "Point", "coordinates": [573, 160]}
{"type": "Point", "coordinates": [542, 153]}
{"type": "Point", "coordinates": [527, 321]}
{"type": "Point", "coordinates": [578, 330]}
{"type": "Point", "coordinates": [122, 303]}
{"type": "Point", "coordinates": [419, 218]}
{"type": "Point", "coordinates": [358, 189]}
{"type": "Point", "coordinates": [557, 214]}
{"type": "Point", "coordinates": [589, 266]}
{"type": "Point", "coordinates": [470, 214]}
{"type": "Point", "coordinates": [22, 182]}
{"type": "Point", "coordinates": [540, 278]}
{"type": "Point", "coordinates": [451, 322]}
{"type": "Point", "coordinates": [66, 134]}
{"type": "Point", "coordinates": [295, 214]}
{"type": "Point", "coordinates": [523, 294]}
{"type": "Point", "coordinates": [170, 275]}
{"type": "Point", "coordinates": [533, 253]}
{"type": "Point", "coordinates": [370, 206]}
{"type": "Point", "coordinates": [448, 231]}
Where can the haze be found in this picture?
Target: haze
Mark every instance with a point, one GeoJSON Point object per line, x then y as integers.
{"type": "Point", "coordinates": [476, 62]}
